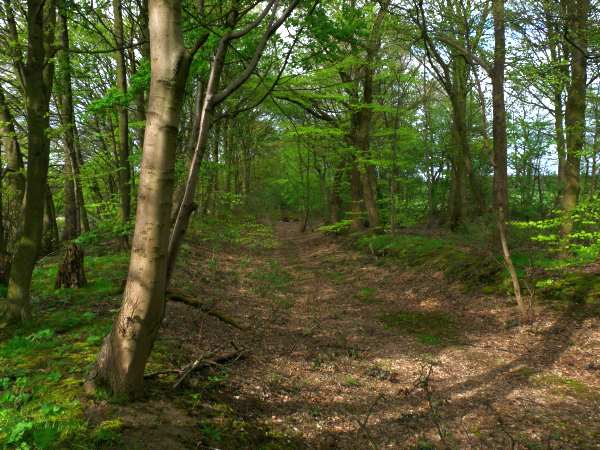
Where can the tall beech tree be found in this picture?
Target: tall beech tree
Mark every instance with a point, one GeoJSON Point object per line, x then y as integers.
{"type": "Point", "coordinates": [448, 63]}
{"type": "Point", "coordinates": [122, 358]}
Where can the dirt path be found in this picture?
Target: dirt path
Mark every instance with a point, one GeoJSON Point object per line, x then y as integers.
{"type": "Point", "coordinates": [348, 351]}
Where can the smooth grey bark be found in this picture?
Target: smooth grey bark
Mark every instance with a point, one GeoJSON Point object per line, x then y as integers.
{"type": "Point", "coordinates": [125, 351]}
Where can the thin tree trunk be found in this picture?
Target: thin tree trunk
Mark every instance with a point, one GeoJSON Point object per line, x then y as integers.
{"type": "Point", "coordinates": [123, 153]}
{"type": "Point", "coordinates": [50, 232]}
{"type": "Point", "coordinates": [14, 184]}
{"type": "Point", "coordinates": [73, 187]}
{"type": "Point", "coordinates": [500, 149]}
{"type": "Point", "coordinates": [335, 197]}
{"type": "Point", "coordinates": [125, 351]}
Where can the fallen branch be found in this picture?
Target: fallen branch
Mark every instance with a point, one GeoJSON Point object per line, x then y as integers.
{"type": "Point", "coordinates": [177, 296]}
{"type": "Point", "coordinates": [201, 363]}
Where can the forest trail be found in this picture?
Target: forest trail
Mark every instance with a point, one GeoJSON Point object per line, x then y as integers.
{"type": "Point", "coordinates": [348, 351]}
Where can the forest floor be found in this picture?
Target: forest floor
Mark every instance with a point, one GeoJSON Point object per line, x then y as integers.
{"type": "Point", "coordinates": [344, 350]}
{"type": "Point", "coordinates": [348, 351]}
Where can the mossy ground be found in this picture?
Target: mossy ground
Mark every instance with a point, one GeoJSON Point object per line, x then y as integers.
{"type": "Point", "coordinates": [427, 327]}
{"type": "Point", "coordinates": [43, 363]}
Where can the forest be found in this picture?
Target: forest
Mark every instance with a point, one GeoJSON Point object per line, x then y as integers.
{"type": "Point", "coordinates": [299, 224]}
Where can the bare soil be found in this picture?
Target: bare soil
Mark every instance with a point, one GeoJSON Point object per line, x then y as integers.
{"type": "Point", "coordinates": [350, 351]}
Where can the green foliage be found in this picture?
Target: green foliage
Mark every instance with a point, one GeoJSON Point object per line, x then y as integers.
{"type": "Point", "coordinates": [413, 250]}
{"type": "Point", "coordinates": [341, 227]}
{"type": "Point", "coordinates": [106, 230]}
{"type": "Point", "coordinates": [238, 230]}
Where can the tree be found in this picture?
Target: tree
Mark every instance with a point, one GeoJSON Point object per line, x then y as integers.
{"type": "Point", "coordinates": [123, 116]}
{"type": "Point", "coordinates": [76, 219]}
{"type": "Point", "coordinates": [38, 73]}
{"type": "Point", "coordinates": [122, 358]}
{"type": "Point", "coordinates": [577, 12]}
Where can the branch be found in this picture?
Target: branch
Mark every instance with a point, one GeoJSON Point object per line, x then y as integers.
{"type": "Point", "coordinates": [252, 25]}
{"type": "Point", "coordinates": [238, 109]}
{"type": "Point", "coordinates": [469, 56]}
{"type": "Point", "coordinates": [235, 84]}
{"type": "Point", "coordinates": [198, 45]}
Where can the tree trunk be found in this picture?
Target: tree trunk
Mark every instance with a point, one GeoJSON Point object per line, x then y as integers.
{"type": "Point", "coordinates": [123, 153]}
{"type": "Point", "coordinates": [335, 197]}
{"type": "Point", "coordinates": [187, 206]}
{"type": "Point", "coordinates": [122, 358]}
{"type": "Point", "coordinates": [356, 196]}
{"type": "Point", "coordinates": [71, 273]}
{"type": "Point", "coordinates": [14, 184]}
{"type": "Point", "coordinates": [500, 149]}
{"type": "Point", "coordinates": [462, 147]}
{"type": "Point", "coordinates": [39, 72]}
{"type": "Point", "coordinates": [76, 218]}
{"type": "Point", "coordinates": [577, 13]}
{"type": "Point", "coordinates": [50, 230]}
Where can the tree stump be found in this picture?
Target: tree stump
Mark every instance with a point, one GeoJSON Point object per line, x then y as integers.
{"type": "Point", "coordinates": [71, 273]}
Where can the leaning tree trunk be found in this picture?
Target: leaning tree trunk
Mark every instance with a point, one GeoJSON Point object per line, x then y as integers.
{"type": "Point", "coordinates": [122, 358]}
{"type": "Point", "coordinates": [39, 72]}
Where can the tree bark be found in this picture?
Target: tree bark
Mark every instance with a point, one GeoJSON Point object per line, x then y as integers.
{"type": "Point", "coordinates": [124, 353]}
{"type": "Point", "coordinates": [38, 77]}
{"type": "Point", "coordinates": [14, 181]}
{"type": "Point", "coordinates": [50, 229]}
{"type": "Point", "coordinates": [71, 272]}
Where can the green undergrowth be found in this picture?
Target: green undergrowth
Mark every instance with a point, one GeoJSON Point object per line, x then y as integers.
{"type": "Point", "coordinates": [43, 363]}
{"type": "Point", "coordinates": [460, 263]}
{"type": "Point", "coordinates": [473, 261]}
{"type": "Point", "coordinates": [270, 278]}
{"type": "Point", "coordinates": [243, 231]}
{"type": "Point", "coordinates": [564, 386]}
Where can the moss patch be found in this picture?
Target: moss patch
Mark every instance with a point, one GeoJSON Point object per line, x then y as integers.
{"type": "Point", "coordinates": [43, 363]}
{"type": "Point", "coordinates": [428, 327]}
{"type": "Point", "coordinates": [459, 263]}
{"type": "Point", "coordinates": [566, 386]}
